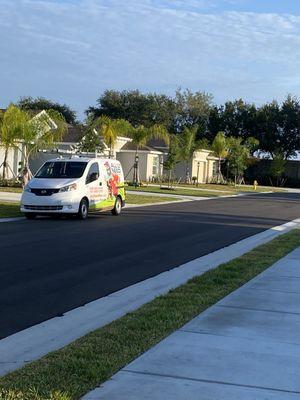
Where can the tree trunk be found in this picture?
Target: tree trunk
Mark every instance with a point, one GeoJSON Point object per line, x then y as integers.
{"type": "Point", "coordinates": [136, 177]}
{"type": "Point", "coordinates": [219, 178]}
{"type": "Point", "coordinates": [170, 176]}
{"type": "Point", "coordinates": [110, 150]}
{"type": "Point", "coordinates": [26, 173]}
{"type": "Point", "coordinates": [187, 173]}
{"type": "Point", "coordinates": [4, 165]}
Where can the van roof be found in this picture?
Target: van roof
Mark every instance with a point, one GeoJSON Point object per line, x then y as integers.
{"type": "Point", "coordinates": [81, 159]}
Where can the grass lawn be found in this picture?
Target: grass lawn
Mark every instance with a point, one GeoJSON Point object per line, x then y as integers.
{"type": "Point", "coordinates": [10, 189]}
{"type": "Point", "coordinates": [230, 188]}
{"type": "Point", "coordinates": [9, 210]}
{"type": "Point", "coordinates": [184, 191]}
{"type": "Point", "coordinates": [79, 367]}
{"type": "Point", "coordinates": [140, 199]}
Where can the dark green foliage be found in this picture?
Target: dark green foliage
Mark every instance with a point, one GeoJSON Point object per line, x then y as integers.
{"type": "Point", "coordinates": [91, 142]}
{"type": "Point", "coordinates": [135, 107]}
{"type": "Point", "coordinates": [40, 103]}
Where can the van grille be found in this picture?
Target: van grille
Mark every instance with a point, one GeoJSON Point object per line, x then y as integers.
{"type": "Point", "coordinates": [43, 208]}
{"type": "Point", "coordinates": [44, 192]}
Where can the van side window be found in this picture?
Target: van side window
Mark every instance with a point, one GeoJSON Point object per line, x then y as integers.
{"type": "Point", "coordinates": [93, 173]}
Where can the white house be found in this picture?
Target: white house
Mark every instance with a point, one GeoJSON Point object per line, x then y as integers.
{"type": "Point", "coordinates": [202, 167]}
{"type": "Point", "coordinates": [15, 156]}
{"type": "Point", "coordinates": [150, 162]}
{"type": "Point", "coordinates": [150, 157]}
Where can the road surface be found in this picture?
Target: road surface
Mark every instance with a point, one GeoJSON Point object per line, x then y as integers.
{"type": "Point", "coordinates": [48, 267]}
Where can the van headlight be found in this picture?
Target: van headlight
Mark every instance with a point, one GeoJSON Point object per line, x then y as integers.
{"type": "Point", "coordinates": [68, 188]}
{"type": "Point", "coordinates": [27, 188]}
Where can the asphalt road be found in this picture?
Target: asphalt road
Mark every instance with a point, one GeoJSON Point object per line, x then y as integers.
{"type": "Point", "coordinates": [48, 267]}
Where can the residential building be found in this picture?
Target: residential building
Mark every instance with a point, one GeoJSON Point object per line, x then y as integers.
{"type": "Point", "coordinates": [151, 157]}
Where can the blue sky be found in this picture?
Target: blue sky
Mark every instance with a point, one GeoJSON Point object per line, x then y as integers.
{"type": "Point", "coordinates": [72, 50]}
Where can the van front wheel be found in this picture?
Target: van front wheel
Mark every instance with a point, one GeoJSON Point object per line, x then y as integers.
{"type": "Point", "coordinates": [83, 209]}
{"type": "Point", "coordinates": [118, 207]}
{"type": "Point", "coordinates": [30, 215]}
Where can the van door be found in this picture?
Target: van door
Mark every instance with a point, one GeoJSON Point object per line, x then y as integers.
{"type": "Point", "coordinates": [93, 184]}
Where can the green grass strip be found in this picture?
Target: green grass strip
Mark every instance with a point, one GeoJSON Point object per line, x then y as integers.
{"type": "Point", "coordinates": [147, 199]}
{"type": "Point", "coordinates": [10, 210]}
{"type": "Point", "coordinates": [79, 367]}
{"type": "Point", "coordinates": [179, 192]}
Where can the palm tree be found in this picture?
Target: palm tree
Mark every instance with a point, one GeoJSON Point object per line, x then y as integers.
{"type": "Point", "coordinates": [109, 129]}
{"type": "Point", "coordinates": [173, 157]}
{"type": "Point", "coordinates": [39, 133]}
{"type": "Point", "coordinates": [140, 136]}
{"type": "Point", "coordinates": [220, 150]}
{"type": "Point", "coordinates": [10, 130]}
{"type": "Point", "coordinates": [189, 145]}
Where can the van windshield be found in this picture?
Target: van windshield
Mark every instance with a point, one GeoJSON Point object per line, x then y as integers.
{"type": "Point", "coordinates": [62, 169]}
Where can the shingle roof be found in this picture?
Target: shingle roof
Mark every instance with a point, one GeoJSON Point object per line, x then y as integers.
{"type": "Point", "coordinates": [157, 143]}
{"type": "Point", "coordinates": [74, 133]}
{"type": "Point", "coordinates": [132, 146]}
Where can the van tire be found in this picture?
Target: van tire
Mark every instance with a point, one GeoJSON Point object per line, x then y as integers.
{"type": "Point", "coordinates": [118, 207]}
{"type": "Point", "coordinates": [30, 215]}
{"type": "Point", "coordinates": [83, 209]}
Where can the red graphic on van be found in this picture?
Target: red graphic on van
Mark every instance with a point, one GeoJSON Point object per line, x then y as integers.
{"type": "Point", "coordinates": [112, 181]}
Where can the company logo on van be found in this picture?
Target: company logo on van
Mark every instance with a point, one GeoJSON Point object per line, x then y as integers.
{"type": "Point", "coordinates": [116, 169]}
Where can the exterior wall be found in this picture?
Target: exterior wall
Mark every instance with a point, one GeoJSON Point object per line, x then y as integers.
{"type": "Point", "coordinates": [202, 173]}
{"type": "Point", "coordinates": [154, 166]}
{"type": "Point", "coordinates": [180, 171]}
{"type": "Point", "coordinates": [146, 161]}
{"type": "Point", "coordinates": [14, 158]}
{"type": "Point", "coordinates": [127, 161]}
{"type": "Point", "coordinates": [212, 168]}
{"type": "Point", "coordinates": [206, 167]}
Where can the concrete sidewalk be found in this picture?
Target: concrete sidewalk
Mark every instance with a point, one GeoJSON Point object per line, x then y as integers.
{"type": "Point", "coordinates": [10, 196]}
{"type": "Point", "coordinates": [246, 347]}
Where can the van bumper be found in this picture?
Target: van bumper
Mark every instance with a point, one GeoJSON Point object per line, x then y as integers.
{"type": "Point", "coordinates": [58, 203]}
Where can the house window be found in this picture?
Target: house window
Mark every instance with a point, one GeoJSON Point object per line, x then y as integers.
{"type": "Point", "coordinates": [215, 168]}
{"type": "Point", "coordinates": [155, 166]}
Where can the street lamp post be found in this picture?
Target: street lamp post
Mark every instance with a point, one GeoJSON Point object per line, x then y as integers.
{"type": "Point", "coordinates": [198, 166]}
{"type": "Point", "coordinates": [135, 170]}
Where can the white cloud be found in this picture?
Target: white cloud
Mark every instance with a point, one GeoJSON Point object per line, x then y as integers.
{"type": "Point", "coordinates": [72, 50]}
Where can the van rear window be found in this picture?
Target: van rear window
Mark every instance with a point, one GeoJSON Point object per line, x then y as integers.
{"type": "Point", "coordinates": [61, 169]}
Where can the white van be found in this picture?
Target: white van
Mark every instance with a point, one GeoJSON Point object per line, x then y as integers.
{"type": "Point", "coordinates": [75, 186]}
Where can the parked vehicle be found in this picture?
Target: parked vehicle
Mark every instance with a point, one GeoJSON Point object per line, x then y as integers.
{"type": "Point", "coordinates": [75, 186]}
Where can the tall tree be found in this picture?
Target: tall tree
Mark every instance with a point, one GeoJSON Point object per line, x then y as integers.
{"type": "Point", "coordinates": [239, 155]}
{"type": "Point", "coordinates": [220, 149]}
{"type": "Point", "coordinates": [189, 144]}
{"type": "Point", "coordinates": [109, 129]}
{"type": "Point", "coordinates": [192, 109]}
{"type": "Point", "coordinates": [11, 122]}
{"type": "Point", "coordinates": [173, 156]}
{"type": "Point", "coordinates": [135, 107]}
{"type": "Point", "coordinates": [91, 142]}
{"type": "Point", "coordinates": [140, 136]}
{"type": "Point", "coordinates": [279, 128]}
{"type": "Point", "coordinates": [40, 103]}
{"type": "Point", "coordinates": [277, 170]}
{"type": "Point", "coordinates": [39, 133]}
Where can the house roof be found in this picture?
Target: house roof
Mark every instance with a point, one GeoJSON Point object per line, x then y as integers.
{"type": "Point", "coordinates": [157, 143]}
{"type": "Point", "coordinates": [132, 146]}
{"type": "Point", "coordinates": [74, 134]}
